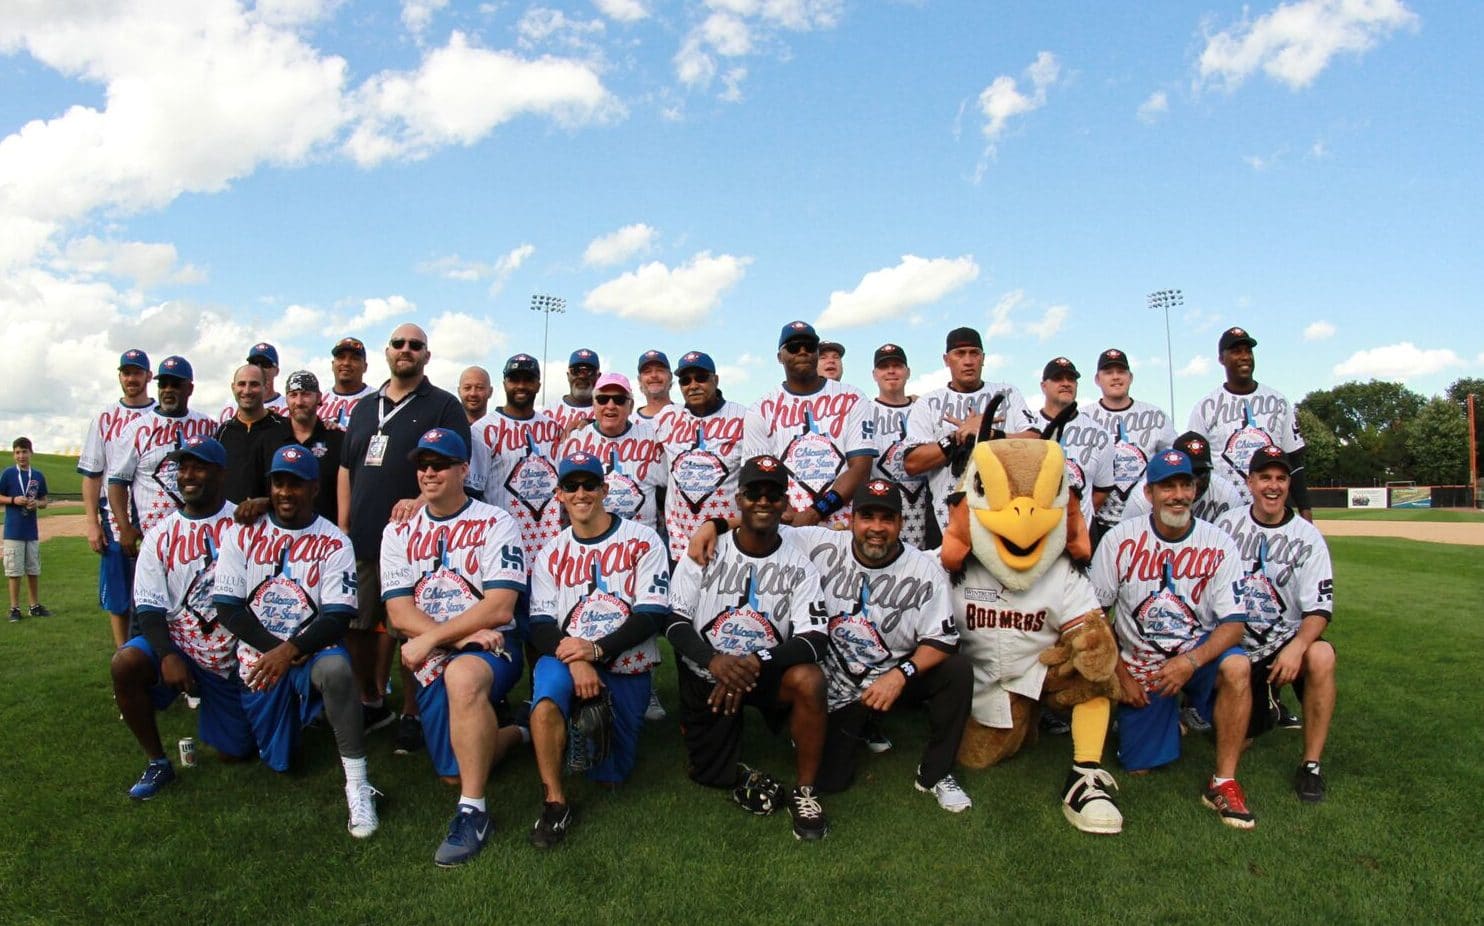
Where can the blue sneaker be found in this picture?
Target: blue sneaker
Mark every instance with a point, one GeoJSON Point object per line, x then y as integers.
{"type": "Point", "coordinates": [156, 776]}
{"type": "Point", "coordinates": [466, 834]}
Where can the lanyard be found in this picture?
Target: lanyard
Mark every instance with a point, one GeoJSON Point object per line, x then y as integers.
{"type": "Point", "coordinates": [383, 416]}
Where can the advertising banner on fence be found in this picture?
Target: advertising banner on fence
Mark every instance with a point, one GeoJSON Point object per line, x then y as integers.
{"type": "Point", "coordinates": [1411, 497]}
{"type": "Point", "coordinates": [1367, 498]}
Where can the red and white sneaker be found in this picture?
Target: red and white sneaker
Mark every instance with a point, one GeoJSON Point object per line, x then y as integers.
{"type": "Point", "coordinates": [1228, 800]}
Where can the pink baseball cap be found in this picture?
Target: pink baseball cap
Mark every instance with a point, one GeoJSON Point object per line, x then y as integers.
{"type": "Point", "coordinates": [612, 381]}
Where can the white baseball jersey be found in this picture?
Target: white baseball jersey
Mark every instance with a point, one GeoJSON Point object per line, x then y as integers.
{"type": "Point", "coordinates": [590, 587]}
{"type": "Point", "coordinates": [633, 464]}
{"type": "Point", "coordinates": [878, 615]}
{"type": "Point", "coordinates": [814, 435]}
{"type": "Point", "coordinates": [522, 473]}
{"type": "Point", "coordinates": [1092, 469]}
{"type": "Point", "coordinates": [702, 459]}
{"type": "Point", "coordinates": [660, 420]}
{"type": "Point", "coordinates": [287, 578]}
{"type": "Point", "coordinates": [446, 565]}
{"type": "Point", "coordinates": [928, 423]}
{"type": "Point", "coordinates": [1237, 426]}
{"type": "Point", "coordinates": [141, 465]}
{"type": "Point", "coordinates": [886, 428]}
{"type": "Point", "coordinates": [1169, 593]}
{"type": "Point", "coordinates": [1286, 575]}
{"type": "Point", "coordinates": [564, 413]}
{"type": "Point", "coordinates": [335, 408]}
{"type": "Point", "coordinates": [1134, 435]}
{"type": "Point", "coordinates": [99, 445]}
{"type": "Point", "coordinates": [279, 404]}
{"type": "Point", "coordinates": [1217, 500]}
{"type": "Point", "coordinates": [176, 577]}
{"type": "Point", "coordinates": [741, 604]}
{"type": "Point", "coordinates": [1004, 632]}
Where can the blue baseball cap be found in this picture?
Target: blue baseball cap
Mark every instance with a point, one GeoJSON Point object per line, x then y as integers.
{"type": "Point", "coordinates": [134, 358]}
{"type": "Point", "coordinates": [1167, 464]}
{"type": "Point", "coordinates": [579, 462]}
{"type": "Point", "coordinates": [797, 331]}
{"type": "Point", "coordinates": [444, 443]}
{"type": "Point", "coordinates": [696, 360]}
{"type": "Point", "coordinates": [176, 367]}
{"type": "Point", "coordinates": [266, 351]}
{"type": "Point", "coordinates": [205, 449]}
{"type": "Point", "coordinates": [296, 460]}
{"type": "Point", "coordinates": [653, 356]}
{"type": "Point", "coordinates": [583, 356]}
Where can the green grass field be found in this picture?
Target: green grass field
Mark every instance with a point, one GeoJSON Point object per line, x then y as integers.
{"type": "Point", "coordinates": [61, 471]}
{"type": "Point", "coordinates": [1434, 515]}
{"type": "Point", "coordinates": [1398, 840]}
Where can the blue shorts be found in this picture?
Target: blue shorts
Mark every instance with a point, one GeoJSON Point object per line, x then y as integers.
{"type": "Point", "coordinates": [552, 681]}
{"type": "Point", "coordinates": [280, 713]}
{"type": "Point", "coordinates": [432, 704]}
{"type": "Point", "coordinates": [221, 722]}
{"type": "Point", "coordinates": [115, 579]}
{"type": "Point", "coordinates": [1149, 737]}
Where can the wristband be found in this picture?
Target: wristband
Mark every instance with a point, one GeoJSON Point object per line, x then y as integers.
{"type": "Point", "coordinates": [720, 525]}
{"type": "Point", "coordinates": [1193, 664]}
{"type": "Point", "coordinates": [597, 652]}
{"type": "Point", "coordinates": [829, 503]}
{"type": "Point", "coordinates": [764, 655]}
{"type": "Point", "coordinates": [948, 445]}
{"type": "Point", "coordinates": [908, 667]}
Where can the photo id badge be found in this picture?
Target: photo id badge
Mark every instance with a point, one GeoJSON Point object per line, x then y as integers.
{"type": "Point", "coordinates": [376, 450]}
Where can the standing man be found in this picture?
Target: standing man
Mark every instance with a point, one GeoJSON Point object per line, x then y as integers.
{"type": "Point", "coordinates": [598, 592]}
{"type": "Point", "coordinates": [1089, 460]}
{"type": "Point", "coordinates": [831, 360]}
{"type": "Point", "coordinates": [251, 436]}
{"type": "Point", "coordinates": [302, 392]}
{"type": "Point", "coordinates": [888, 431]}
{"type": "Point", "coordinates": [703, 453]}
{"type": "Point", "coordinates": [1180, 625]}
{"type": "Point", "coordinates": [630, 454]}
{"type": "Point", "coordinates": [451, 577]}
{"type": "Point", "coordinates": [752, 628]}
{"type": "Point", "coordinates": [286, 586]}
{"type": "Point", "coordinates": [141, 476]}
{"type": "Point", "coordinates": [264, 356]}
{"type": "Point", "coordinates": [115, 571]}
{"type": "Point", "coordinates": [348, 363]}
{"type": "Point", "coordinates": [375, 473]}
{"type": "Point", "coordinates": [655, 380]}
{"type": "Point", "coordinates": [1134, 430]}
{"type": "Point", "coordinates": [1213, 498]}
{"type": "Point", "coordinates": [520, 441]}
{"type": "Point", "coordinates": [24, 491]}
{"type": "Point", "coordinates": [474, 395]}
{"type": "Point", "coordinates": [181, 648]}
{"type": "Point", "coordinates": [575, 409]}
{"type": "Point", "coordinates": [817, 427]}
{"type": "Point", "coordinates": [1288, 590]}
{"type": "Point", "coordinates": [1240, 417]}
{"type": "Point", "coordinates": [944, 424]}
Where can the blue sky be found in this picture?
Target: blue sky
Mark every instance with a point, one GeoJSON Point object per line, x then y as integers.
{"type": "Point", "coordinates": [197, 176]}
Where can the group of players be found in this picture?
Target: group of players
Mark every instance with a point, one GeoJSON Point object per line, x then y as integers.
{"type": "Point", "coordinates": [268, 561]}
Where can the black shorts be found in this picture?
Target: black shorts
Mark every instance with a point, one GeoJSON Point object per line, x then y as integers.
{"type": "Point", "coordinates": [713, 741]}
{"type": "Point", "coordinates": [1264, 698]}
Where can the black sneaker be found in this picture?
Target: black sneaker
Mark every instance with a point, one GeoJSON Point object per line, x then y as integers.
{"type": "Point", "coordinates": [1288, 720]}
{"type": "Point", "coordinates": [551, 827]}
{"type": "Point", "coordinates": [1308, 783]}
{"type": "Point", "coordinates": [376, 717]}
{"type": "Point", "coordinates": [808, 814]}
{"type": "Point", "coordinates": [757, 792]}
{"type": "Point", "coordinates": [409, 735]}
{"type": "Point", "coordinates": [15, 615]}
{"type": "Point", "coordinates": [40, 610]}
{"type": "Point", "coordinates": [1053, 724]}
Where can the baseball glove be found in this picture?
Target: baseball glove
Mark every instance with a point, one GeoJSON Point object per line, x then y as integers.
{"type": "Point", "coordinates": [589, 732]}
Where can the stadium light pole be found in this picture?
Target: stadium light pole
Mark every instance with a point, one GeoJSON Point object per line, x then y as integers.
{"type": "Point", "coordinates": [1166, 299]}
{"type": "Point", "coordinates": [548, 305]}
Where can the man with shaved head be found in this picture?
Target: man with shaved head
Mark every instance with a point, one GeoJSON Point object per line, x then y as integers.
{"type": "Point", "coordinates": [474, 394]}
{"type": "Point", "coordinates": [375, 473]}
{"type": "Point", "coordinates": [250, 437]}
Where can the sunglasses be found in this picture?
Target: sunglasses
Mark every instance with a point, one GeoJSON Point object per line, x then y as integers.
{"type": "Point", "coordinates": [770, 494]}
{"type": "Point", "coordinates": [436, 464]}
{"type": "Point", "coordinates": [606, 399]}
{"type": "Point", "coordinates": [410, 343]}
{"type": "Point", "coordinates": [580, 485]}
{"type": "Point", "coordinates": [700, 376]}
{"type": "Point", "coordinates": [801, 347]}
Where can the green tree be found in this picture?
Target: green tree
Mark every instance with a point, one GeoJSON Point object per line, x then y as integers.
{"type": "Point", "coordinates": [1321, 451]}
{"type": "Point", "coordinates": [1437, 440]}
{"type": "Point", "coordinates": [1369, 421]}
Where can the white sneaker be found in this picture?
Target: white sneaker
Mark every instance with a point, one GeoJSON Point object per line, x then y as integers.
{"type": "Point", "coordinates": [361, 798]}
{"type": "Point", "coordinates": [950, 794]}
{"type": "Point", "coordinates": [655, 712]}
{"type": "Point", "coordinates": [1087, 800]}
{"type": "Point", "coordinates": [192, 702]}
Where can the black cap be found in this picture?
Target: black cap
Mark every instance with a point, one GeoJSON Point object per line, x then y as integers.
{"type": "Point", "coordinates": [763, 469]}
{"type": "Point", "coordinates": [1267, 456]}
{"type": "Point", "coordinates": [1112, 357]}
{"type": "Point", "coordinates": [1194, 445]}
{"type": "Point", "coordinates": [877, 493]}
{"type": "Point", "coordinates": [1059, 366]}
{"type": "Point", "coordinates": [1231, 337]}
{"type": "Point", "coordinates": [522, 363]}
{"type": "Point", "coordinates": [834, 346]}
{"type": "Point", "coordinates": [963, 337]}
{"type": "Point", "coordinates": [888, 353]}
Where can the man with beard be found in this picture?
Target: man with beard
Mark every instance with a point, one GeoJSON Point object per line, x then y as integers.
{"type": "Point", "coordinates": [1133, 430]}
{"type": "Point", "coordinates": [703, 452]}
{"type": "Point", "coordinates": [1213, 498]}
{"type": "Point", "coordinates": [301, 390]}
{"type": "Point", "coordinates": [575, 408]}
{"type": "Point", "coordinates": [348, 364]}
{"type": "Point", "coordinates": [630, 454]}
{"type": "Point", "coordinates": [115, 571]}
{"type": "Point", "coordinates": [251, 436]}
{"type": "Point", "coordinates": [655, 380]}
{"type": "Point", "coordinates": [520, 441]}
{"type": "Point", "coordinates": [181, 648]}
{"type": "Point", "coordinates": [888, 429]}
{"type": "Point", "coordinates": [1180, 625]}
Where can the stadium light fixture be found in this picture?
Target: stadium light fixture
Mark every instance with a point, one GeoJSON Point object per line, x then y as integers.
{"type": "Point", "coordinates": [1166, 299]}
{"type": "Point", "coordinates": [547, 305]}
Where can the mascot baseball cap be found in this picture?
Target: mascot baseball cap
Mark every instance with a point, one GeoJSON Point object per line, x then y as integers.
{"type": "Point", "coordinates": [301, 381]}
{"type": "Point", "coordinates": [443, 442]}
{"type": "Point", "coordinates": [696, 360]}
{"type": "Point", "coordinates": [579, 462]}
{"type": "Point", "coordinates": [1232, 337]}
{"type": "Point", "coordinates": [888, 353]}
{"type": "Point", "coordinates": [1059, 366]}
{"type": "Point", "coordinates": [353, 345]}
{"type": "Point", "coordinates": [963, 337]}
{"type": "Point", "coordinates": [583, 357]}
{"type": "Point", "coordinates": [296, 460]}
{"type": "Point", "coordinates": [134, 358]}
{"type": "Point", "coordinates": [653, 356]}
{"type": "Point", "coordinates": [797, 331]}
{"type": "Point", "coordinates": [523, 363]}
{"type": "Point", "coordinates": [263, 351]}
{"type": "Point", "coordinates": [763, 469]}
{"type": "Point", "coordinates": [1167, 464]}
{"type": "Point", "coordinates": [1112, 357]}
{"type": "Point", "coordinates": [1269, 456]}
{"type": "Point", "coordinates": [1194, 445]}
{"type": "Point", "coordinates": [877, 493]}
{"type": "Point", "coordinates": [205, 449]}
{"type": "Point", "coordinates": [176, 367]}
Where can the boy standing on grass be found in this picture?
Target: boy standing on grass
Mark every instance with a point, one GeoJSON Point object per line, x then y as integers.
{"type": "Point", "coordinates": [23, 491]}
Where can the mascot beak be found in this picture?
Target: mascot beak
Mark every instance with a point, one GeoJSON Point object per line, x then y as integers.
{"type": "Point", "coordinates": [1019, 524]}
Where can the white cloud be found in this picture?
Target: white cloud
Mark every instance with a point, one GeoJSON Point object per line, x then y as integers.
{"type": "Point", "coordinates": [541, 25]}
{"type": "Point", "coordinates": [624, 11]}
{"type": "Point", "coordinates": [458, 340]}
{"type": "Point", "coordinates": [887, 293]}
{"type": "Point", "coordinates": [454, 267]}
{"type": "Point", "coordinates": [298, 320]}
{"type": "Point", "coordinates": [1318, 151]}
{"type": "Point", "coordinates": [734, 29]}
{"type": "Point", "coordinates": [678, 298]}
{"type": "Point", "coordinates": [1401, 361]}
{"type": "Point", "coordinates": [1259, 163]}
{"type": "Point", "coordinates": [1157, 104]}
{"type": "Point", "coordinates": [1198, 365]}
{"type": "Point", "coordinates": [417, 15]}
{"type": "Point", "coordinates": [1319, 331]}
{"type": "Point", "coordinates": [1295, 42]}
{"type": "Point", "coordinates": [618, 246]}
{"type": "Point", "coordinates": [146, 264]}
{"type": "Point", "coordinates": [375, 311]}
{"type": "Point", "coordinates": [462, 92]}
{"type": "Point", "coordinates": [739, 371]}
{"type": "Point", "coordinates": [507, 264]}
{"type": "Point", "coordinates": [1000, 324]}
{"type": "Point", "coordinates": [1050, 323]}
{"type": "Point", "coordinates": [1002, 100]}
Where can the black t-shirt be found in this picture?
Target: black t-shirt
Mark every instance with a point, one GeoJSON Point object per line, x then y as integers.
{"type": "Point", "coordinates": [250, 452]}
{"type": "Point", "coordinates": [326, 443]}
{"type": "Point", "coordinates": [375, 489]}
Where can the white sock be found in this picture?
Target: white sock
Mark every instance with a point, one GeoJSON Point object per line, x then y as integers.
{"type": "Point", "coordinates": [476, 802]}
{"type": "Point", "coordinates": [1218, 782]}
{"type": "Point", "coordinates": [355, 770]}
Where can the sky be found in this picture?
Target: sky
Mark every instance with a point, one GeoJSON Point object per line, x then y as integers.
{"type": "Point", "coordinates": [195, 176]}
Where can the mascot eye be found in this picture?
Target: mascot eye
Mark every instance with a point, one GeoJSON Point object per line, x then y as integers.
{"type": "Point", "coordinates": [978, 484]}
